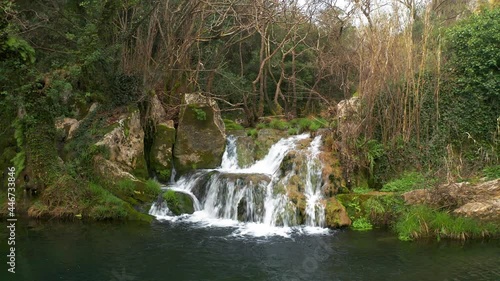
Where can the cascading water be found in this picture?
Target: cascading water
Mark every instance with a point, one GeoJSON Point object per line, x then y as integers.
{"type": "Point", "coordinates": [233, 195]}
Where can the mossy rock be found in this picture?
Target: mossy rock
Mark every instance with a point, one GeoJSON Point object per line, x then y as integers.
{"type": "Point", "coordinates": [201, 137]}
{"type": "Point", "coordinates": [178, 203]}
{"type": "Point", "coordinates": [161, 159]}
{"type": "Point", "coordinates": [336, 214]}
{"type": "Point", "coordinates": [245, 148]}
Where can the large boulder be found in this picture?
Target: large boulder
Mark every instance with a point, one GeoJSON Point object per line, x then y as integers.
{"type": "Point", "coordinates": [125, 143]}
{"type": "Point", "coordinates": [201, 136]}
{"type": "Point", "coordinates": [161, 161]}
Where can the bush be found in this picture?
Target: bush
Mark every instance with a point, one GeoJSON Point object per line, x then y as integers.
{"type": "Point", "coordinates": [408, 181]}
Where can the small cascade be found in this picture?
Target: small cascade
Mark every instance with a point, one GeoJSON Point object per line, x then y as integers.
{"type": "Point", "coordinates": [315, 210]}
{"type": "Point", "coordinates": [230, 157]}
{"type": "Point", "coordinates": [259, 194]}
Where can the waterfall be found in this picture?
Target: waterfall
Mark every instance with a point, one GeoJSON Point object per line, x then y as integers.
{"type": "Point", "coordinates": [256, 195]}
{"type": "Point", "coordinates": [315, 210]}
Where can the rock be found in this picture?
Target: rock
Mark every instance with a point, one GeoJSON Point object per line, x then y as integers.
{"type": "Point", "coordinates": [201, 136]}
{"type": "Point", "coordinates": [348, 108]}
{"type": "Point", "coordinates": [179, 203]}
{"type": "Point", "coordinates": [336, 214]}
{"type": "Point", "coordinates": [157, 112]}
{"type": "Point", "coordinates": [480, 201]}
{"type": "Point", "coordinates": [418, 196]}
{"type": "Point", "coordinates": [68, 125]}
{"type": "Point", "coordinates": [126, 145]}
{"type": "Point", "coordinates": [245, 148]}
{"type": "Point", "coordinates": [487, 210]}
{"type": "Point", "coordinates": [161, 151]}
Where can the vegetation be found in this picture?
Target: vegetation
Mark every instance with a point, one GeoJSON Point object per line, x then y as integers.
{"type": "Point", "coordinates": [423, 221]}
{"type": "Point", "coordinates": [406, 182]}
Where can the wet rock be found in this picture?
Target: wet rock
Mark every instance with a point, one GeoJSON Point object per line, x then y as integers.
{"type": "Point", "coordinates": [245, 147]}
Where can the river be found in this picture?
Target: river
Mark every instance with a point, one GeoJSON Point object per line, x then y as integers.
{"type": "Point", "coordinates": [182, 251]}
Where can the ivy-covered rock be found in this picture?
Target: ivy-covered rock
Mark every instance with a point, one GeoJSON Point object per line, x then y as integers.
{"type": "Point", "coordinates": [161, 151]}
{"type": "Point", "coordinates": [201, 136]}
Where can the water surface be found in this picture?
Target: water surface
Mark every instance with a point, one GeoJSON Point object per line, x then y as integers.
{"type": "Point", "coordinates": [180, 251]}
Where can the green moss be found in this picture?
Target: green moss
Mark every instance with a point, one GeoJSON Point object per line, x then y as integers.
{"type": "Point", "coordinates": [178, 203]}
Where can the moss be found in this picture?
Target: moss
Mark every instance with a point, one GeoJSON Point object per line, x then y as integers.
{"type": "Point", "coordinates": [179, 203]}
{"type": "Point", "coordinates": [161, 152]}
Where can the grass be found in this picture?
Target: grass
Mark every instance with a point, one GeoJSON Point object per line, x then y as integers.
{"type": "Point", "coordinates": [152, 187]}
{"type": "Point", "coordinates": [252, 133]}
{"type": "Point", "coordinates": [407, 182]}
{"type": "Point", "coordinates": [423, 221]}
{"type": "Point", "coordinates": [492, 172]}
{"type": "Point", "coordinates": [279, 124]}
{"type": "Point", "coordinates": [105, 205]}
{"type": "Point", "coordinates": [231, 125]}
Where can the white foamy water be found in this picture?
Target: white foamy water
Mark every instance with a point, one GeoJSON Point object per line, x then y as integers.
{"type": "Point", "coordinates": [246, 199]}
